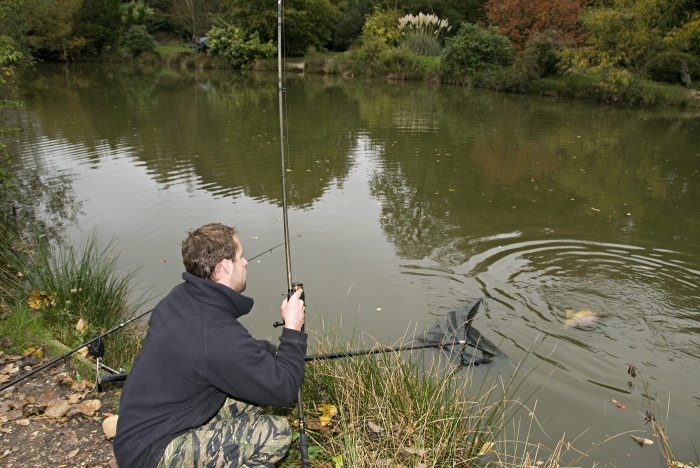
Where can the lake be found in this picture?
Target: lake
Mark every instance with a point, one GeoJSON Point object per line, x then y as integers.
{"type": "Point", "coordinates": [410, 199]}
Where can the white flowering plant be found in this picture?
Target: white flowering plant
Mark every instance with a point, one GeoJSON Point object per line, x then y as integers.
{"type": "Point", "coordinates": [423, 34]}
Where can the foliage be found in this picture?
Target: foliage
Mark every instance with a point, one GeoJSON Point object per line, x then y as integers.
{"type": "Point", "coordinates": [232, 43]}
{"type": "Point", "coordinates": [100, 23]}
{"type": "Point", "coordinates": [137, 40]}
{"type": "Point", "coordinates": [8, 58]}
{"type": "Point", "coordinates": [305, 22]}
{"type": "Point", "coordinates": [627, 33]}
{"type": "Point", "coordinates": [384, 25]}
{"type": "Point", "coordinates": [423, 34]}
{"type": "Point", "coordinates": [519, 19]}
{"type": "Point", "coordinates": [136, 13]}
{"type": "Point", "coordinates": [667, 66]}
{"type": "Point", "coordinates": [475, 50]}
{"type": "Point", "coordinates": [194, 17]}
{"type": "Point", "coordinates": [51, 27]}
{"type": "Point", "coordinates": [369, 50]}
{"type": "Point", "coordinates": [613, 83]}
{"type": "Point", "coordinates": [543, 51]}
{"type": "Point", "coordinates": [399, 63]}
{"type": "Point", "coordinates": [349, 26]}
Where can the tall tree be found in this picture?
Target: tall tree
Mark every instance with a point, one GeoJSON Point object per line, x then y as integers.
{"type": "Point", "coordinates": [519, 19]}
{"type": "Point", "coordinates": [50, 27]}
{"type": "Point", "coordinates": [629, 32]}
{"type": "Point", "coordinates": [306, 22]}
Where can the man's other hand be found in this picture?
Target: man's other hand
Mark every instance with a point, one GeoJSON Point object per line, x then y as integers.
{"type": "Point", "coordinates": [293, 311]}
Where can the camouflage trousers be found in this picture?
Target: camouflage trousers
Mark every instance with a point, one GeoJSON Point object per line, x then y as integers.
{"type": "Point", "coordinates": [238, 436]}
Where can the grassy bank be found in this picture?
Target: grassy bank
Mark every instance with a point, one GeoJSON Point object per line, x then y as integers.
{"type": "Point", "coordinates": [52, 291]}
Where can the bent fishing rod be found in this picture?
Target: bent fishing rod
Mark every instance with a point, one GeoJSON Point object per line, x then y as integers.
{"type": "Point", "coordinates": [303, 444]}
{"type": "Point", "coordinates": [99, 337]}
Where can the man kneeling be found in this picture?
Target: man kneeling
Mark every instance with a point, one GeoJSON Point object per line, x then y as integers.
{"type": "Point", "coordinates": [193, 394]}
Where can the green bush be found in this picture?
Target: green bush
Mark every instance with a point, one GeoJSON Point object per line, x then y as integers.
{"type": "Point", "coordinates": [383, 24]}
{"type": "Point", "coordinates": [137, 41]}
{"type": "Point", "coordinates": [666, 67]}
{"type": "Point", "coordinates": [369, 49]}
{"type": "Point", "coordinates": [542, 50]}
{"type": "Point", "coordinates": [401, 62]}
{"type": "Point", "coordinates": [473, 50]}
{"type": "Point", "coordinates": [232, 43]}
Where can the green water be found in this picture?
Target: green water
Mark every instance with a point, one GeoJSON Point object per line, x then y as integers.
{"type": "Point", "coordinates": [411, 199]}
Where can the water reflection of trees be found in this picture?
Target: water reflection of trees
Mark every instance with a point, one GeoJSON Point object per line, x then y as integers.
{"type": "Point", "coordinates": [469, 165]}
{"type": "Point", "coordinates": [217, 131]}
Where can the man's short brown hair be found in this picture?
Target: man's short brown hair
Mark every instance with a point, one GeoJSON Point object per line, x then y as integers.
{"type": "Point", "coordinates": [205, 247]}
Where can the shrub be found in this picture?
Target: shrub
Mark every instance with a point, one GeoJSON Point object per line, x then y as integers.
{"type": "Point", "coordinates": [231, 42]}
{"type": "Point", "coordinates": [666, 66]}
{"type": "Point", "coordinates": [473, 50]}
{"type": "Point", "coordinates": [137, 40]}
{"type": "Point", "coordinates": [383, 24]}
{"type": "Point", "coordinates": [543, 51]}
{"type": "Point", "coordinates": [401, 62]}
{"type": "Point", "coordinates": [423, 34]}
{"type": "Point", "coordinates": [369, 49]}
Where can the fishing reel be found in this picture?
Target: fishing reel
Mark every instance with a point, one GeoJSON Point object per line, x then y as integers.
{"type": "Point", "coordinates": [290, 293]}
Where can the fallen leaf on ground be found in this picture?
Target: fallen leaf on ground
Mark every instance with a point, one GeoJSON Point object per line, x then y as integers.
{"type": "Point", "coordinates": [642, 441]}
{"type": "Point", "coordinates": [374, 428]}
{"type": "Point", "coordinates": [109, 426]}
{"type": "Point", "coordinates": [45, 398]}
{"type": "Point", "coordinates": [73, 453]}
{"type": "Point", "coordinates": [78, 385]}
{"type": "Point", "coordinates": [415, 451]}
{"type": "Point", "coordinates": [57, 408]}
{"type": "Point", "coordinates": [75, 398]}
{"type": "Point", "coordinates": [327, 413]}
{"type": "Point", "coordinates": [88, 407]}
{"type": "Point", "coordinates": [40, 300]}
{"type": "Point", "coordinates": [83, 351]}
{"type": "Point", "coordinates": [81, 326]}
{"type": "Point", "coordinates": [22, 422]}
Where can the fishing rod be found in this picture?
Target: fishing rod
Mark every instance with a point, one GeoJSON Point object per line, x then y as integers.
{"type": "Point", "coordinates": [383, 349]}
{"type": "Point", "coordinates": [303, 444]}
{"type": "Point", "coordinates": [273, 248]}
{"type": "Point", "coordinates": [65, 355]}
{"type": "Point", "coordinates": [97, 341]}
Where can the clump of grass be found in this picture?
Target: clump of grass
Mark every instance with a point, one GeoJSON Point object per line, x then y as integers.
{"type": "Point", "coordinates": [404, 410]}
{"type": "Point", "coordinates": [88, 282]}
{"type": "Point", "coordinates": [654, 416]}
{"type": "Point", "coordinates": [423, 34]}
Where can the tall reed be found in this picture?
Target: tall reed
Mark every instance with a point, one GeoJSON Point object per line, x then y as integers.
{"type": "Point", "coordinates": [405, 410]}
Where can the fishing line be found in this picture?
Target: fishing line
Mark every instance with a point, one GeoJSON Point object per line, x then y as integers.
{"type": "Point", "coordinates": [544, 293]}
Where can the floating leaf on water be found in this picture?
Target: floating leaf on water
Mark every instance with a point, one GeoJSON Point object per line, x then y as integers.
{"type": "Point", "coordinates": [642, 441]}
{"type": "Point", "coordinates": [327, 413]}
{"type": "Point", "coordinates": [619, 405]}
{"type": "Point", "coordinates": [81, 326]}
{"type": "Point", "coordinates": [485, 447]}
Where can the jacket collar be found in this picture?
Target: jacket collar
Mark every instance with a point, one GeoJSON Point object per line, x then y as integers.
{"type": "Point", "coordinates": [217, 295]}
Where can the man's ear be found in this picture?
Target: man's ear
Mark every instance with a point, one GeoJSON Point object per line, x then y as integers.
{"type": "Point", "coordinates": [220, 270]}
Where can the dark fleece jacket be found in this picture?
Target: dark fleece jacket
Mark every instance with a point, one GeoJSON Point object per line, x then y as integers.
{"type": "Point", "coordinates": [196, 353]}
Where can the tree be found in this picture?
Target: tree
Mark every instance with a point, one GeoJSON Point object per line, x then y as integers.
{"type": "Point", "coordinates": [519, 19]}
{"type": "Point", "coordinates": [194, 17]}
{"type": "Point", "coordinates": [629, 32]}
{"type": "Point", "coordinates": [50, 27]}
{"type": "Point", "coordinates": [8, 57]}
{"type": "Point", "coordinates": [474, 50]}
{"type": "Point", "coordinates": [307, 23]}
